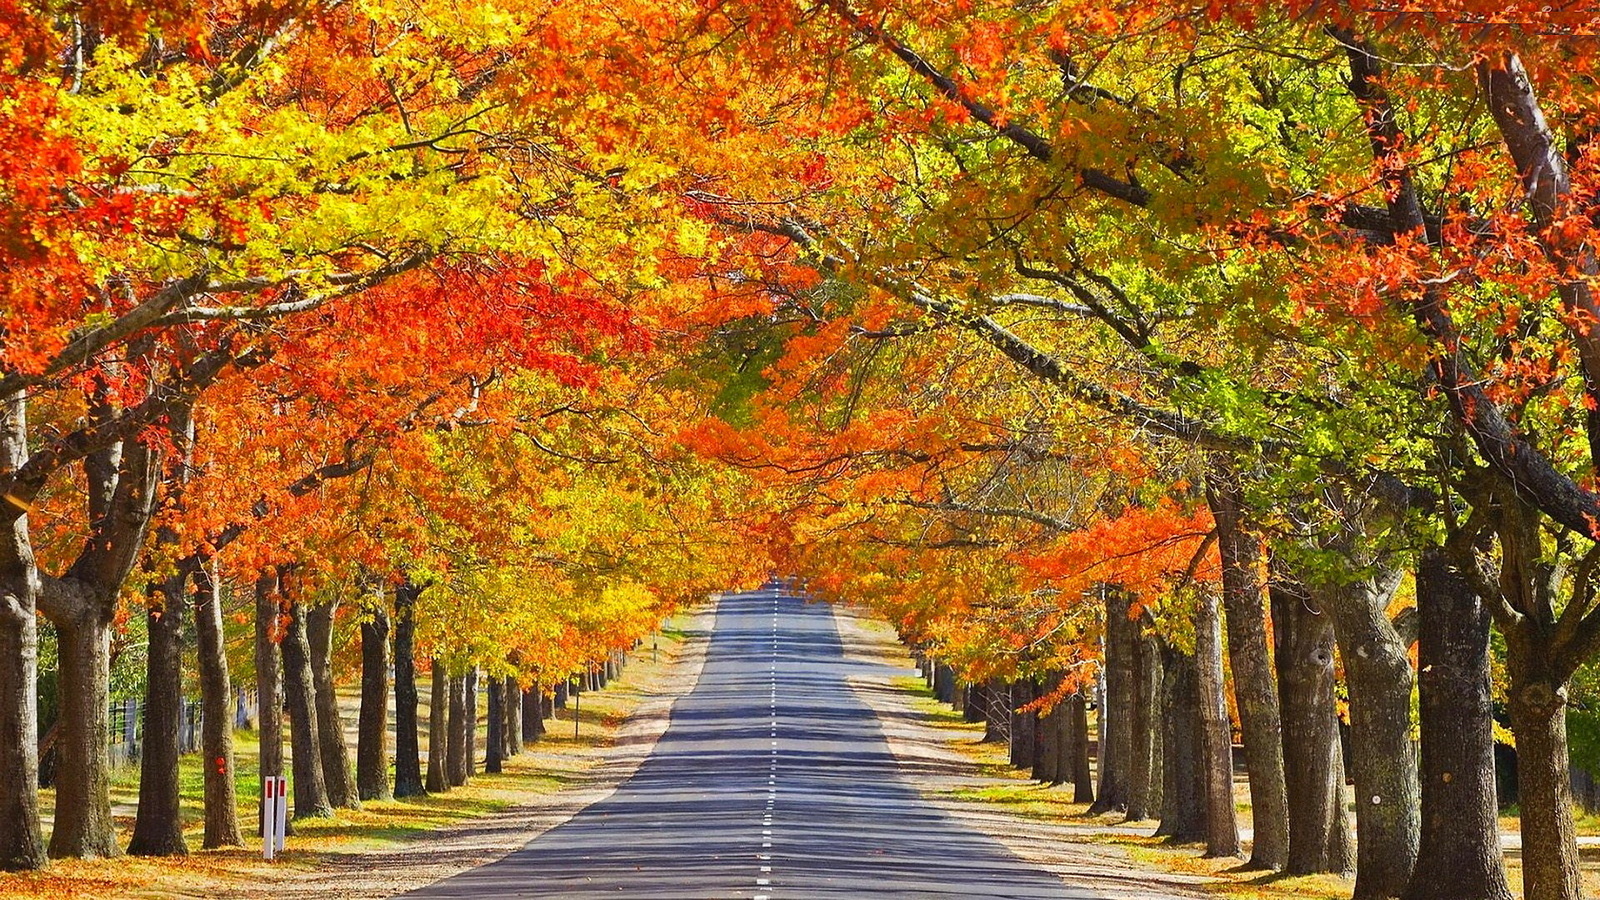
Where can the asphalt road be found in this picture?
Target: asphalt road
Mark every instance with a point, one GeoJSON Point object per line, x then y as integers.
{"type": "Point", "coordinates": [771, 781]}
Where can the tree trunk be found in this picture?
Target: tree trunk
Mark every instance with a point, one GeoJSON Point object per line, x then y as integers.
{"type": "Point", "coordinates": [1537, 697]}
{"type": "Point", "coordinates": [269, 694]}
{"type": "Point", "coordinates": [438, 730]}
{"type": "Point", "coordinates": [973, 701]}
{"type": "Point", "coordinates": [372, 727]}
{"type": "Point", "coordinates": [216, 724]}
{"type": "Point", "coordinates": [408, 756]}
{"type": "Point", "coordinates": [495, 741]}
{"type": "Point", "coordinates": [1254, 689]}
{"type": "Point", "coordinates": [21, 840]}
{"type": "Point", "coordinates": [1058, 769]}
{"type": "Point", "coordinates": [1183, 819]}
{"type": "Point", "coordinates": [1549, 834]}
{"type": "Point", "coordinates": [310, 789]}
{"type": "Point", "coordinates": [559, 697]}
{"type": "Point", "coordinates": [1144, 773]}
{"type": "Point", "coordinates": [532, 714]}
{"type": "Point", "coordinates": [84, 828]}
{"type": "Point", "coordinates": [512, 727]}
{"type": "Point", "coordinates": [995, 716]}
{"type": "Point", "coordinates": [1459, 856]}
{"type": "Point", "coordinates": [1022, 724]}
{"type": "Point", "coordinates": [470, 699]}
{"type": "Point", "coordinates": [1036, 752]}
{"type": "Point", "coordinates": [1048, 761]}
{"type": "Point", "coordinates": [1319, 830]}
{"type": "Point", "coordinates": [158, 826]}
{"type": "Point", "coordinates": [1540, 659]}
{"type": "Point", "coordinates": [1383, 759]}
{"type": "Point", "coordinates": [1116, 744]}
{"type": "Point", "coordinates": [120, 481]}
{"type": "Point", "coordinates": [336, 771]}
{"type": "Point", "coordinates": [1216, 733]}
{"type": "Point", "coordinates": [1078, 753]}
{"type": "Point", "coordinates": [456, 750]}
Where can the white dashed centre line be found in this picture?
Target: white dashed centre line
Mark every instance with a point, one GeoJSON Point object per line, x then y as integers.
{"type": "Point", "coordinates": [764, 858]}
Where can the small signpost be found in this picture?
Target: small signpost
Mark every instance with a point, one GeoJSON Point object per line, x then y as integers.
{"type": "Point", "coordinates": [274, 814]}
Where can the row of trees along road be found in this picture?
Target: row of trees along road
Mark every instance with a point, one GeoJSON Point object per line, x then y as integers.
{"type": "Point", "coordinates": [313, 316]}
{"type": "Point", "coordinates": [1169, 317]}
{"type": "Point", "coordinates": [1252, 340]}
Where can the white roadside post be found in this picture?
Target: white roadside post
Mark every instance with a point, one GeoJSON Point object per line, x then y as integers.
{"type": "Point", "coordinates": [274, 814]}
{"type": "Point", "coordinates": [269, 816]}
{"type": "Point", "coordinates": [283, 810]}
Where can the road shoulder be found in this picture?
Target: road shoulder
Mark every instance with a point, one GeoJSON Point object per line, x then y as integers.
{"type": "Point", "coordinates": [441, 854]}
{"type": "Point", "coordinates": [929, 759]}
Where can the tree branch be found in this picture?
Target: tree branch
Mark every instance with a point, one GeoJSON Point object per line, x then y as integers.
{"type": "Point", "coordinates": [1529, 471]}
{"type": "Point", "coordinates": [1027, 515]}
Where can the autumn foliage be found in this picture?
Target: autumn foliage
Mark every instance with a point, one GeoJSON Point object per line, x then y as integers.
{"type": "Point", "coordinates": [1012, 322]}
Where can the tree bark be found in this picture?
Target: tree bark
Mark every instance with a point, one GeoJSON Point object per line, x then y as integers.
{"type": "Point", "coordinates": [438, 730]}
{"type": "Point", "coordinates": [1383, 759]}
{"type": "Point", "coordinates": [1116, 744]}
{"type": "Point", "coordinates": [1254, 688]}
{"type": "Point", "coordinates": [1047, 764]}
{"type": "Point", "coordinates": [1078, 752]}
{"type": "Point", "coordinates": [408, 756]}
{"type": "Point", "coordinates": [1549, 834]}
{"type": "Point", "coordinates": [495, 741]}
{"type": "Point", "coordinates": [1036, 752]}
{"type": "Point", "coordinates": [512, 728]}
{"type": "Point", "coordinates": [456, 751]}
{"type": "Point", "coordinates": [21, 839]}
{"type": "Point", "coordinates": [943, 683]}
{"type": "Point", "coordinates": [1183, 819]}
{"type": "Point", "coordinates": [269, 694]}
{"type": "Point", "coordinates": [1022, 724]}
{"type": "Point", "coordinates": [1319, 829]}
{"type": "Point", "coordinates": [310, 788]}
{"type": "Point", "coordinates": [84, 828]}
{"type": "Point", "coordinates": [336, 771]}
{"type": "Point", "coordinates": [995, 715]}
{"type": "Point", "coordinates": [372, 727]}
{"type": "Point", "coordinates": [470, 699]}
{"type": "Point", "coordinates": [532, 714]}
{"type": "Point", "coordinates": [1459, 856]}
{"type": "Point", "coordinates": [158, 826]}
{"type": "Point", "coordinates": [1216, 733]}
{"type": "Point", "coordinates": [1144, 773]}
{"type": "Point", "coordinates": [216, 725]}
